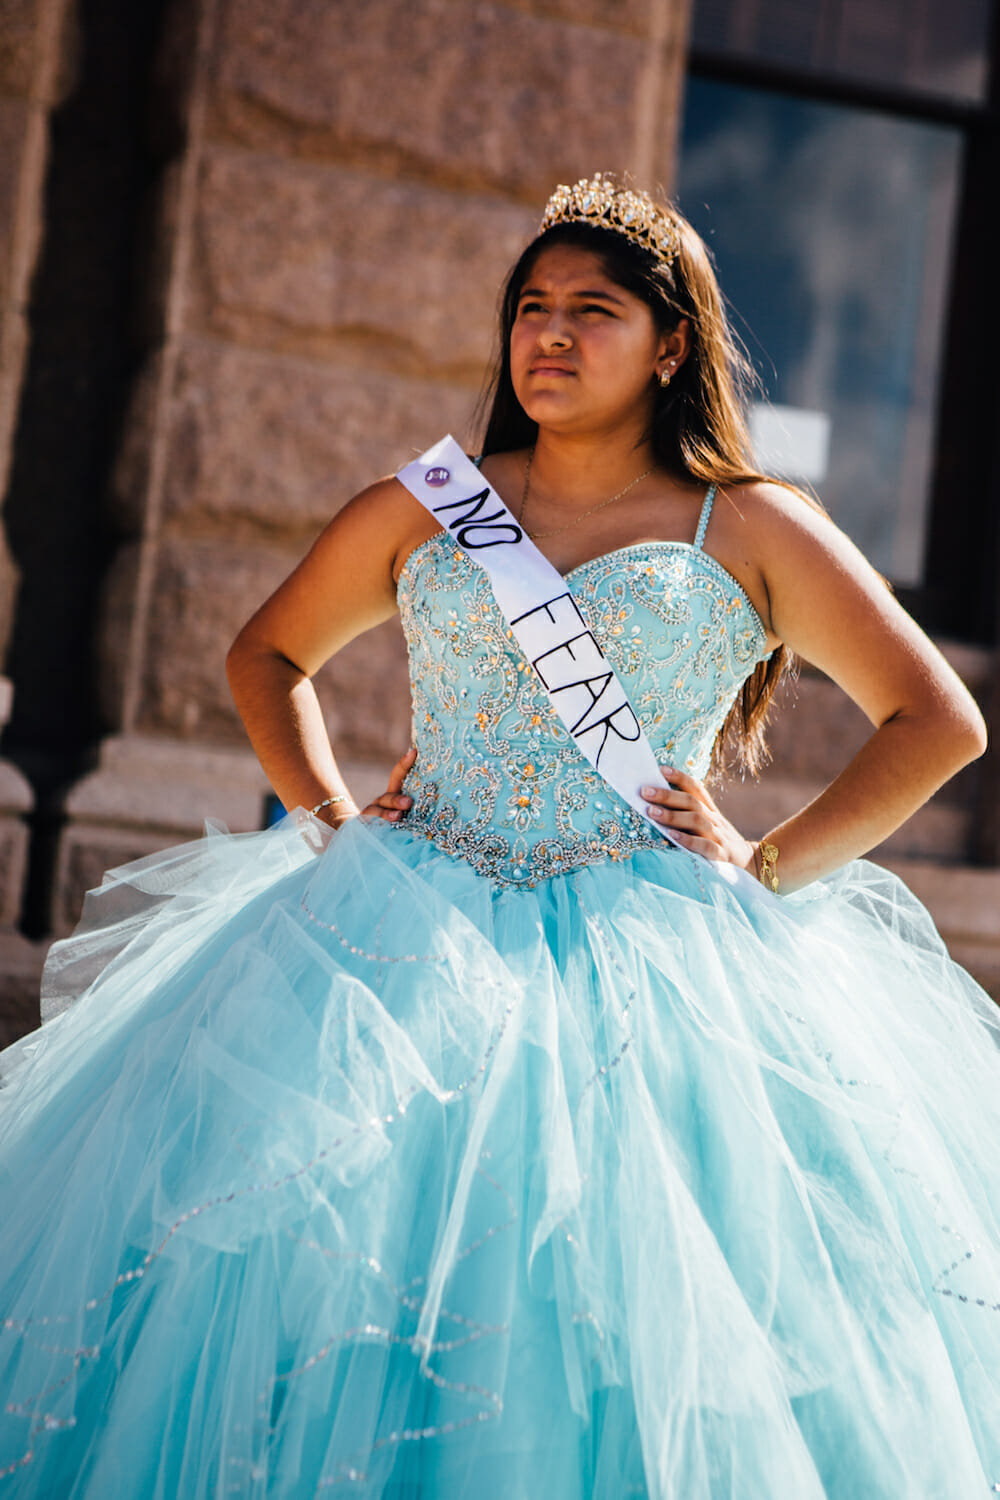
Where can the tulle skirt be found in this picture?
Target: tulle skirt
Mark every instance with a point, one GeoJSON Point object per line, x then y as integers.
{"type": "Point", "coordinates": [347, 1170]}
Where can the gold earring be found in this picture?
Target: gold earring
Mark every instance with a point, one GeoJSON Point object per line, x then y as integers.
{"type": "Point", "coordinates": [666, 376]}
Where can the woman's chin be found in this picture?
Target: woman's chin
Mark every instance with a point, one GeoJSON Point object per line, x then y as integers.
{"type": "Point", "coordinates": [549, 398]}
{"type": "Point", "coordinates": [558, 410]}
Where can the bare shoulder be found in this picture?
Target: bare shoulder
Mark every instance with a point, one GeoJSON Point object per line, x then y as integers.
{"type": "Point", "coordinates": [386, 502]}
{"type": "Point", "coordinates": [345, 584]}
{"type": "Point", "coordinates": [381, 523]}
{"type": "Point", "coordinates": [824, 598]}
{"type": "Point", "coordinates": [789, 541]}
{"type": "Point", "coordinates": [776, 511]}
{"type": "Point", "coordinates": [750, 524]}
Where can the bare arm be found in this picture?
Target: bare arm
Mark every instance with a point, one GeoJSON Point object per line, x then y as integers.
{"type": "Point", "coordinates": [344, 585]}
{"type": "Point", "coordinates": [830, 607]}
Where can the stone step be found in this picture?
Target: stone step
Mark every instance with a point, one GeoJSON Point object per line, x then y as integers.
{"type": "Point", "coordinates": [965, 904]}
{"type": "Point", "coordinates": [816, 729]}
{"type": "Point", "coordinates": [939, 830]}
{"type": "Point", "coordinates": [20, 977]}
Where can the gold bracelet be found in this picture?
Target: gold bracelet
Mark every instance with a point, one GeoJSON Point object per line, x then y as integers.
{"type": "Point", "coordinates": [328, 802]}
{"type": "Point", "coordinates": [768, 865]}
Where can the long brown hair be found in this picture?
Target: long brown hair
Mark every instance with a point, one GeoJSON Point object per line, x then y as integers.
{"type": "Point", "coordinates": [699, 429]}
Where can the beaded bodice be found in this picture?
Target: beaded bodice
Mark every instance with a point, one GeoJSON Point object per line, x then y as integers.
{"type": "Point", "coordinates": [497, 779]}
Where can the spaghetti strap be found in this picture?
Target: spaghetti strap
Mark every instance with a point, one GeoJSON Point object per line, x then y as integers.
{"type": "Point", "coordinates": [703, 519]}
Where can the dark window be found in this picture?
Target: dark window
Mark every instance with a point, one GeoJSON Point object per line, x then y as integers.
{"type": "Point", "coordinates": [922, 45]}
{"type": "Point", "coordinates": [832, 231]}
{"type": "Point", "coordinates": [838, 158]}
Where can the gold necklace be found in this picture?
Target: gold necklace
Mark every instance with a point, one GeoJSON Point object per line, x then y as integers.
{"type": "Point", "coordinates": [540, 535]}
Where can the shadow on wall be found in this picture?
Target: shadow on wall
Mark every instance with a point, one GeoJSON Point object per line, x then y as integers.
{"type": "Point", "coordinates": [85, 345]}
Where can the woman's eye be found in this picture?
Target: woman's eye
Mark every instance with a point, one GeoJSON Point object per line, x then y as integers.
{"type": "Point", "coordinates": [595, 307]}
{"type": "Point", "coordinates": [527, 307]}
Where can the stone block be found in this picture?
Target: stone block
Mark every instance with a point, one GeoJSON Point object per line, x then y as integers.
{"type": "Point", "coordinates": [13, 869]}
{"type": "Point", "coordinates": [16, 801]}
{"type": "Point", "coordinates": [85, 852]}
{"type": "Point", "coordinates": [116, 646]}
{"type": "Point", "coordinates": [311, 258]}
{"type": "Point", "coordinates": [20, 979]}
{"type": "Point", "coordinates": [965, 904]}
{"type": "Point", "coordinates": [150, 784]}
{"type": "Point", "coordinates": [981, 960]}
{"type": "Point", "coordinates": [23, 158]}
{"type": "Point", "coordinates": [635, 16]}
{"type": "Point", "coordinates": [16, 796]}
{"type": "Point", "coordinates": [172, 77]}
{"type": "Point", "coordinates": [147, 794]}
{"type": "Point", "coordinates": [15, 351]}
{"type": "Point", "coordinates": [200, 596]}
{"type": "Point", "coordinates": [265, 445]}
{"type": "Point", "coordinates": [157, 254]}
{"type": "Point", "coordinates": [482, 95]}
{"type": "Point", "coordinates": [15, 115]}
{"type": "Point", "coordinates": [816, 729]}
{"type": "Point", "coordinates": [8, 599]}
{"type": "Point", "coordinates": [18, 24]}
{"type": "Point", "coordinates": [365, 696]}
{"type": "Point", "coordinates": [129, 490]}
{"type": "Point", "coordinates": [39, 48]}
{"type": "Point", "coordinates": [203, 595]}
{"type": "Point", "coordinates": [965, 901]}
{"type": "Point", "coordinates": [939, 830]}
{"type": "Point", "coordinates": [15, 345]}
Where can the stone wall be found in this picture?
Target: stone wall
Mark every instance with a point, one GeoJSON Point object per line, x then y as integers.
{"type": "Point", "coordinates": [35, 68]}
{"type": "Point", "coordinates": [345, 186]}
{"type": "Point", "coordinates": [36, 60]}
{"type": "Point", "coordinates": [353, 184]}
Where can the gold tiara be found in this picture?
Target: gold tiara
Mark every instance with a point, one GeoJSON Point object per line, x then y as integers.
{"type": "Point", "coordinates": [604, 204]}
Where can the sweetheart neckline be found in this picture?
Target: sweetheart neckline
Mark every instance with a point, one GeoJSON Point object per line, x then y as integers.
{"type": "Point", "coordinates": [603, 557]}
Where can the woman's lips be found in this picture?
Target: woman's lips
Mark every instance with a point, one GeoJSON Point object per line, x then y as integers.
{"type": "Point", "coordinates": [549, 369]}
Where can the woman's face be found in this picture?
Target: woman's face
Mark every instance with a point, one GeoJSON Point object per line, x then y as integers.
{"type": "Point", "coordinates": [584, 352]}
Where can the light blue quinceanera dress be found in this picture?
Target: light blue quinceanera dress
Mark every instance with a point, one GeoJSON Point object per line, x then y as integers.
{"type": "Point", "coordinates": [510, 1154]}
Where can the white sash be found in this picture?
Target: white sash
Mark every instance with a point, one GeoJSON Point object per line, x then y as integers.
{"type": "Point", "coordinates": [544, 618]}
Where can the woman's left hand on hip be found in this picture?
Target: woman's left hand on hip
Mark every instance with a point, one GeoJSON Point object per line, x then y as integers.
{"type": "Point", "coordinates": [684, 807]}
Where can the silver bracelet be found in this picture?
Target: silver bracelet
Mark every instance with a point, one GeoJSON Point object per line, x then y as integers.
{"type": "Point", "coordinates": [328, 802]}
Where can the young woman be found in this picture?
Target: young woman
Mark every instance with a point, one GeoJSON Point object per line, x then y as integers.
{"type": "Point", "coordinates": [495, 1144]}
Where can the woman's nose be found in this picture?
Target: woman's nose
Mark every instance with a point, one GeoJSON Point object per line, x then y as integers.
{"type": "Point", "coordinates": [555, 333]}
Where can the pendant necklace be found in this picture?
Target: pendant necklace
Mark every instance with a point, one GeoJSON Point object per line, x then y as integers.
{"type": "Point", "coordinates": [540, 535]}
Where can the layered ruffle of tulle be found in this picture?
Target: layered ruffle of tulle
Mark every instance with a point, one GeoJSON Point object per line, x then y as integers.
{"type": "Point", "coordinates": [350, 1171]}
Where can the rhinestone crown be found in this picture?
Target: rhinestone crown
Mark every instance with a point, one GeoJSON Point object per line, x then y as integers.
{"type": "Point", "coordinates": [602, 202]}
